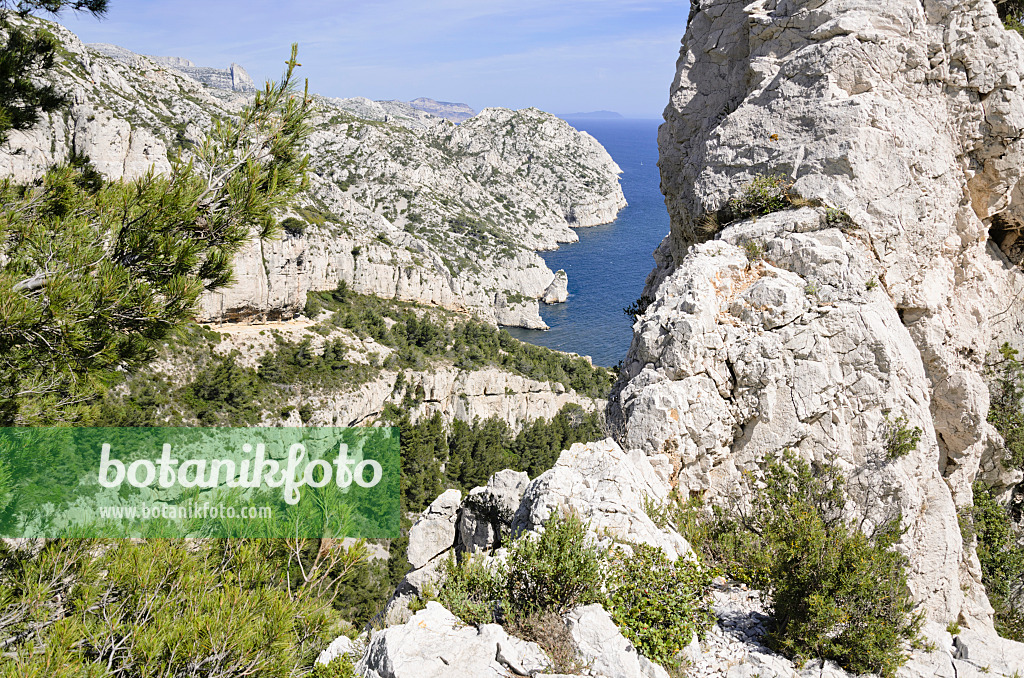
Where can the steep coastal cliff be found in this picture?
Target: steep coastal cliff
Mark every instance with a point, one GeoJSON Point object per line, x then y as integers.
{"type": "Point", "coordinates": [907, 119]}
{"type": "Point", "coordinates": [401, 203]}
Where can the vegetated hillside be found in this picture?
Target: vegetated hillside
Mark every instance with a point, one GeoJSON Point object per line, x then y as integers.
{"type": "Point", "coordinates": [358, 355]}
{"type": "Point", "coordinates": [401, 203]}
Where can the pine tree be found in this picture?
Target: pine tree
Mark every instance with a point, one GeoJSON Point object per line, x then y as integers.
{"type": "Point", "coordinates": [94, 274]}
{"type": "Point", "coordinates": [28, 53]}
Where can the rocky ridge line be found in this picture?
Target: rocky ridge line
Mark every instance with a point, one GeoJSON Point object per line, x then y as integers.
{"type": "Point", "coordinates": [402, 204]}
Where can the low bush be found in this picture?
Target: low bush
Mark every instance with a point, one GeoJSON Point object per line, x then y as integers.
{"type": "Point", "coordinates": [638, 307]}
{"type": "Point", "coordinates": [470, 590]}
{"type": "Point", "coordinates": [764, 194]}
{"type": "Point", "coordinates": [556, 572]}
{"type": "Point", "coordinates": [660, 605]}
{"type": "Point", "coordinates": [81, 607]}
{"type": "Point", "coordinates": [898, 438]}
{"type": "Point", "coordinates": [339, 667]}
{"type": "Point", "coordinates": [1002, 560]}
{"type": "Point", "coordinates": [836, 593]}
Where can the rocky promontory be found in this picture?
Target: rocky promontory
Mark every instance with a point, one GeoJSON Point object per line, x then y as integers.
{"type": "Point", "coordinates": [402, 203]}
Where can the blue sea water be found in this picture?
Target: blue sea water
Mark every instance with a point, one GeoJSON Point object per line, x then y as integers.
{"type": "Point", "coordinates": [607, 267]}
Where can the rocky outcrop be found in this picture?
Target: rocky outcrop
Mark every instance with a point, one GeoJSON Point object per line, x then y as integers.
{"type": "Point", "coordinates": [606, 487]}
{"type": "Point", "coordinates": [234, 78]}
{"type": "Point", "coordinates": [437, 644]}
{"type": "Point", "coordinates": [401, 203]}
{"type": "Point", "coordinates": [599, 482]}
{"type": "Point", "coordinates": [441, 388]}
{"type": "Point", "coordinates": [907, 118]}
{"type": "Point", "coordinates": [558, 291]}
{"type": "Point", "coordinates": [443, 109]}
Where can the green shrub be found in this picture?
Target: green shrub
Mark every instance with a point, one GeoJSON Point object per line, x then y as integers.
{"type": "Point", "coordinates": [293, 226]}
{"type": "Point", "coordinates": [837, 217]}
{"type": "Point", "coordinates": [165, 607]}
{"type": "Point", "coordinates": [312, 308]}
{"type": "Point", "coordinates": [1002, 560]}
{"type": "Point", "coordinates": [1012, 14]}
{"type": "Point", "coordinates": [836, 593]}
{"type": "Point", "coordinates": [470, 590]}
{"type": "Point", "coordinates": [899, 439]}
{"type": "Point", "coordinates": [224, 392]}
{"type": "Point", "coordinates": [1006, 409]}
{"type": "Point", "coordinates": [754, 250]}
{"type": "Point", "coordinates": [557, 571]}
{"type": "Point", "coordinates": [659, 605]}
{"type": "Point", "coordinates": [340, 667]}
{"type": "Point", "coordinates": [638, 307]}
{"type": "Point", "coordinates": [764, 194]}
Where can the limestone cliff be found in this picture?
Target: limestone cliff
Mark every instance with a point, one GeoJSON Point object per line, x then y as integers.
{"type": "Point", "coordinates": [402, 203]}
{"type": "Point", "coordinates": [908, 117]}
{"type": "Point", "coordinates": [234, 78]}
{"type": "Point", "coordinates": [443, 109]}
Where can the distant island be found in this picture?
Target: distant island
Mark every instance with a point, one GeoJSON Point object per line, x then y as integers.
{"type": "Point", "coordinates": [594, 115]}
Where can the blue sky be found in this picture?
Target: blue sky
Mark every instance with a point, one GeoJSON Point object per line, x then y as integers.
{"type": "Point", "coordinates": [559, 55]}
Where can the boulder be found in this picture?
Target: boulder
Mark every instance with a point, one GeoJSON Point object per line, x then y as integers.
{"type": "Point", "coordinates": [434, 643]}
{"type": "Point", "coordinates": [488, 511]}
{"type": "Point", "coordinates": [606, 487]}
{"type": "Point", "coordinates": [339, 647]}
{"type": "Point", "coordinates": [434, 532]}
{"type": "Point", "coordinates": [602, 647]}
{"type": "Point", "coordinates": [558, 291]}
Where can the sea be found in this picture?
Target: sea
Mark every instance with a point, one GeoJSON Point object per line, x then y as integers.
{"type": "Point", "coordinates": [609, 264]}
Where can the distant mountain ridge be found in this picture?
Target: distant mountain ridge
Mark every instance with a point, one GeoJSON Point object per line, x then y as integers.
{"type": "Point", "coordinates": [455, 112]}
{"type": "Point", "coordinates": [233, 78]}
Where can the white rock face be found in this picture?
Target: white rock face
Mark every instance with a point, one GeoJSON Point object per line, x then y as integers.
{"type": "Point", "coordinates": [434, 532]}
{"type": "Point", "coordinates": [434, 643]}
{"type": "Point", "coordinates": [558, 291]}
{"type": "Point", "coordinates": [339, 647]}
{"type": "Point", "coordinates": [908, 117]}
{"type": "Point", "coordinates": [603, 649]}
{"type": "Point", "coordinates": [401, 203]}
{"type": "Point", "coordinates": [605, 487]}
{"type": "Point", "coordinates": [987, 654]}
